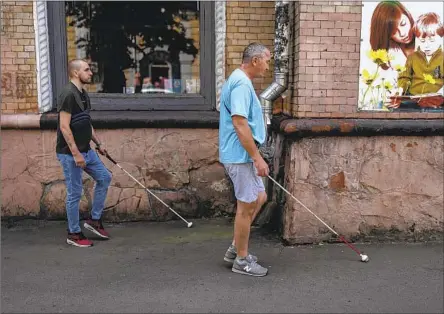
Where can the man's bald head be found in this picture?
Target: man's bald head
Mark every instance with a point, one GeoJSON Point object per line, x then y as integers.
{"type": "Point", "coordinates": [79, 71]}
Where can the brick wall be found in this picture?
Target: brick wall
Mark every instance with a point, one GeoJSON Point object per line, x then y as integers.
{"type": "Point", "coordinates": [247, 22]}
{"type": "Point", "coordinates": [326, 62]}
{"type": "Point", "coordinates": [18, 74]}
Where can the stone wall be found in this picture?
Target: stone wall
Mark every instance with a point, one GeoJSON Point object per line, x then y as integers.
{"type": "Point", "coordinates": [362, 185]}
{"type": "Point", "coordinates": [179, 165]}
{"type": "Point", "coordinates": [18, 73]}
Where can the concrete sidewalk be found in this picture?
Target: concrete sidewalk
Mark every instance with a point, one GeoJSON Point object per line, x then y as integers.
{"type": "Point", "coordinates": [166, 267]}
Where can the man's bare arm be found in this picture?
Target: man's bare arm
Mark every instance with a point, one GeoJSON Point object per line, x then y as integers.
{"type": "Point", "coordinates": [245, 136]}
{"type": "Point", "coordinates": [65, 120]}
{"type": "Point", "coordinates": [243, 131]}
{"type": "Point", "coordinates": [95, 138]}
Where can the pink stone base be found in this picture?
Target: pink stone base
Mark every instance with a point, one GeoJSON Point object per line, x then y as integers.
{"type": "Point", "coordinates": [179, 165]}
{"type": "Point", "coordinates": [359, 185]}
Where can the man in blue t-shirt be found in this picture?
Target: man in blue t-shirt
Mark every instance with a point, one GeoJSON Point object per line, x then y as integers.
{"type": "Point", "coordinates": [241, 129]}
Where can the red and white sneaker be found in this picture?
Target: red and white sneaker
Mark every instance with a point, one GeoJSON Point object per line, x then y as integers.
{"type": "Point", "coordinates": [96, 227]}
{"type": "Point", "coordinates": [78, 239]}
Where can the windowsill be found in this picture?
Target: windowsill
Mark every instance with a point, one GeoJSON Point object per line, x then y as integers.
{"type": "Point", "coordinates": [143, 119]}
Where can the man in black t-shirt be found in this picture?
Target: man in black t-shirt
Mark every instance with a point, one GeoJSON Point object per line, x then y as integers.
{"type": "Point", "coordinates": [74, 134]}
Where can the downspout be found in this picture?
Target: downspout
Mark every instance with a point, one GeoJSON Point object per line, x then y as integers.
{"type": "Point", "coordinates": [270, 94]}
{"type": "Point", "coordinates": [281, 48]}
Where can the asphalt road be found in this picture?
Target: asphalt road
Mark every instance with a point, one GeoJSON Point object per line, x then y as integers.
{"type": "Point", "coordinates": [168, 268]}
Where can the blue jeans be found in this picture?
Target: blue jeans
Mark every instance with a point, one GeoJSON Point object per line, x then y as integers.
{"type": "Point", "coordinates": [74, 186]}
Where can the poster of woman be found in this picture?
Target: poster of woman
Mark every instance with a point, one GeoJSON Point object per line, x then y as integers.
{"type": "Point", "coordinates": [401, 56]}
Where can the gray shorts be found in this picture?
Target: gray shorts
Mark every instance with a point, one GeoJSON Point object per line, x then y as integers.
{"type": "Point", "coordinates": [247, 184]}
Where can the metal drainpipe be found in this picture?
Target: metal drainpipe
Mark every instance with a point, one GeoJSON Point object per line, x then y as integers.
{"type": "Point", "coordinates": [277, 87]}
{"type": "Point", "coordinates": [281, 48]}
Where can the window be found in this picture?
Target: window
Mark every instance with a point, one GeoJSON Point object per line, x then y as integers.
{"type": "Point", "coordinates": [145, 55]}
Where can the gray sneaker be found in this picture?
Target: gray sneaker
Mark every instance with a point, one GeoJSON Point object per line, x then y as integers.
{"type": "Point", "coordinates": [247, 266]}
{"type": "Point", "coordinates": [231, 253]}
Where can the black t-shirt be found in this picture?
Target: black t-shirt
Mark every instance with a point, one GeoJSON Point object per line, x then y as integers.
{"type": "Point", "coordinates": [78, 104]}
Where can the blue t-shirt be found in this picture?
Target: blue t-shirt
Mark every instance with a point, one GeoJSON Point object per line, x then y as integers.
{"type": "Point", "coordinates": [238, 97]}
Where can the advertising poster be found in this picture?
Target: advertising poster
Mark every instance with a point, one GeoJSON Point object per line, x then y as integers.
{"type": "Point", "coordinates": [401, 57]}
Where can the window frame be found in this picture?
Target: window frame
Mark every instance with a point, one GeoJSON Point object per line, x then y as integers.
{"type": "Point", "coordinates": [204, 101]}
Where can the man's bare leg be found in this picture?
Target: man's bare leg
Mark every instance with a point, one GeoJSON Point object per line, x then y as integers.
{"type": "Point", "coordinates": [242, 226]}
{"type": "Point", "coordinates": [262, 198]}
{"type": "Point", "coordinates": [244, 263]}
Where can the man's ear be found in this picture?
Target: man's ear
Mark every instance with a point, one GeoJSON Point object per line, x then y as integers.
{"type": "Point", "coordinates": [254, 60]}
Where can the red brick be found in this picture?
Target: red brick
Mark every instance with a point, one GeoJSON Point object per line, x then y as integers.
{"type": "Point", "coordinates": [310, 24]}
{"type": "Point", "coordinates": [352, 17]}
{"type": "Point", "coordinates": [237, 10]}
{"type": "Point", "coordinates": [349, 32]}
{"type": "Point", "coordinates": [336, 47]}
{"type": "Point", "coordinates": [313, 55]}
{"type": "Point", "coordinates": [319, 93]}
{"type": "Point", "coordinates": [350, 63]}
{"type": "Point", "coordinates": [306, 62]}
{"type": "Point", "coordinates": [328, 40]}
{"type": "Point", "coordinates": [328, 24]}
{"type": "Point", "coordinates": [321, 17]}
{"type": "Point", "coordinates": [307, 31]}
{"type": "Point", "coordinates": [342, 24]}
{"type": "Point", "coordinates": [336, 17]}
{"type": "Point", "coordinates": [337, 115]}
{"type": "Point", "coordinates": [347, 108]}
{"type": "Point", "coordinates": [311, 8]}
{"type": "Point", "coordinates": [305, 93]}
{"type": "Point", "coordinates": [7, 61]}
{"type": "Point", "coordinates": [355, 25]}
{"type": "Point", "coordinates": [306, 16]}
{"type": "Point", "coordinates": [328, 70]}
{"type": "Point", "coordinates": [354, 56]}
{"type": "Point", "coordinates": [312, 70]}
{"type": "Point", "coordinates": [352, 101]}
{"type": "Point", "coordinates": [328, 9]}
{"type": "Point", "coordinates": [333, 32]}
{"type": "Point", "coordinates": [320, 62]}
{"type": "Point", "coordinates": [311, 39]}
{"type": "Point", "coordinates": [356, 9]}
{"type": "Point", "coordinates": [343, 9]}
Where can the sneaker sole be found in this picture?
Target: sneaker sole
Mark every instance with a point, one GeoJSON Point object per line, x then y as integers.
{"type": "Point", "coordinates": [228, 260]}
{"type": "Point", "coordinates": [90, 228]}
{"type": "Point", "coordinates": [70, 242]}
{"type": "Point", "coordinates": [234, 270]}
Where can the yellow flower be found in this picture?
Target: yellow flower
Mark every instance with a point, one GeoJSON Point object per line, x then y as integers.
{"type": "Point", "coordinates": [379, 56]}
{"type": "Point", "coordinates": [388, 85]}
{"type": "Point", "coordinates": [429, 79]}
{"type": "Point", "coordinates": [399, 68]}
{"type": "Point", "coordinates": [367, 77]}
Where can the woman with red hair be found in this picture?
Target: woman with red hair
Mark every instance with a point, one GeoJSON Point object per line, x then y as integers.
{"type": "Point", "coordinates": [391, 29]}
